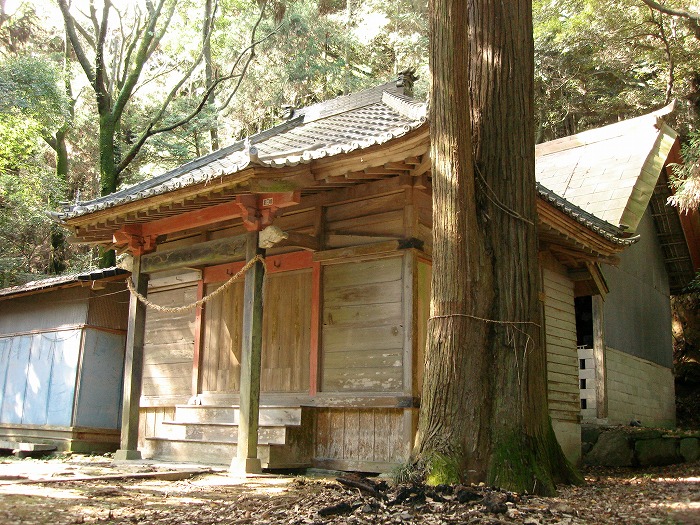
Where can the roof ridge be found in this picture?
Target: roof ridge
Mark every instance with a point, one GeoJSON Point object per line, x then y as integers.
{"type": "Point", "coordinates": [600, 134]}
{"type": "Point", "coordinates": [406, 106]}
{"type": "Point", "coordinates": [344, 103]}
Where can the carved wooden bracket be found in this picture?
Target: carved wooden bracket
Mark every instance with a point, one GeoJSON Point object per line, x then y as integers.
{"type": "Point", "coordinates": [259, 210]}
{"type": "Point", "coordinates": [132, 236]}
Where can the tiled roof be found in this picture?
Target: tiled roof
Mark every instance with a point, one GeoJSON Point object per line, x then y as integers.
{"type": "Point", "coordinates": [60, 280]}
{"type": "Point", "coordinates": [594, 176]}
{"type": "Point", "coordinates": [341, 125]}
{"type": "Point", "coordinates": [611, 171]}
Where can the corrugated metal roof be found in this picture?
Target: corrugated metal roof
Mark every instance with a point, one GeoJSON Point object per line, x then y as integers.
{"type": "Point", "coordinates": [611, 171]}
{"type": "Point", "coordinates": [590, 221]}
{"type": "Point", "coordinates": [62, 280]}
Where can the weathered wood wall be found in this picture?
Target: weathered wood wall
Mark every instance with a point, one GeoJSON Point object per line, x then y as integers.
{"type": "Point", "coordinates": [362, 332]}
{"type": "Point", "coordinates": [109, 308]}
{"type": "Point", "coordinates": [169, 343]}
{"type": "Point", "coordinates": [286, 333]}
{"type": "Point", "coordinates": [39, 312]}
{"type": "Point", "coordinates": [562, 357]}
{"type": "Point", "coordinates": [371, 439]}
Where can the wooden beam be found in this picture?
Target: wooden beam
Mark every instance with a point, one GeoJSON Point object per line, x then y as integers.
{"type": "Point", "coordinates": [284, 262]}
{"type": "Point", "coordinates": [133, 367]}
{"type": "Point", "coordinates": [193, 219]}
{"type": "Point", "coordinates": [423, 167]}
{"type": "Point", "coordinates": [272, 236]}
{"type": "Point", "coordinates": [208, 253]}
{"type": "Point", "coordinates": [247, 460]}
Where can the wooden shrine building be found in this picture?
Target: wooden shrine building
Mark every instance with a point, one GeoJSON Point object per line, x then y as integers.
{"type": "Point", "coordinates": [338, 199]}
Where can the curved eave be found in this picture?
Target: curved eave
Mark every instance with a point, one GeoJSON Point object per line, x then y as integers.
{"type": "Point", "coordinates": [310, 175]}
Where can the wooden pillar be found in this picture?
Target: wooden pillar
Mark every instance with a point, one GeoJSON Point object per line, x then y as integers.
{"type": "Point", "coordinates": [601, 397]}
{"type": "Point", "coordinates": [133, 367]}
{"type": "Point", "coordinates": [247, 461]}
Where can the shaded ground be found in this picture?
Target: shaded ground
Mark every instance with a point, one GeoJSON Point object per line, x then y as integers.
{"type": "Point", "coordinates": [662, 495]}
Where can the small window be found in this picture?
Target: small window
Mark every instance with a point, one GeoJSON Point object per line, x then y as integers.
{"type": "Point", "coordinates": [582, 364]}
{"type": "Point", "coordinates": [582, 383]}
{"type": "Point", "coordinates": [584, 405]}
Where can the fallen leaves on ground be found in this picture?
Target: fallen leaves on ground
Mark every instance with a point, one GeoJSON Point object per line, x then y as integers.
{"type": "Point", "coordinates": [667, 495]}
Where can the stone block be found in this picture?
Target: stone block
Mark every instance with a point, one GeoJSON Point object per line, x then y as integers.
{"type": "Point", "coordinates": [657, 452]}
{"type": "Point", "coordinates": [690, 448]}
{"type": "Point", "coordinates": [590, 434]}
{"type": "Point", "coordinates": [611, 450]}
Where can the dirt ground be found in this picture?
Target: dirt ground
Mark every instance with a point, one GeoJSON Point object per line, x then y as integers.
{"type": "Point", "coordinates": [93, 489]}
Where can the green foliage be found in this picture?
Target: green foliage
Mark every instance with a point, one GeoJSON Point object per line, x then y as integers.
{"type": "Point", "coordinates": [685, 181]}
{"type": "Point", "coordinates": [27, 190]}
{"type": "Point", "coordinates": [32, 88]}
{"type": "Point", "coordinates": [601, 61]}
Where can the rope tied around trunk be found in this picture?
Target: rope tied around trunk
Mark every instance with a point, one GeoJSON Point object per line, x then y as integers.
{"type": "Point", "coordinates": [177, 309]}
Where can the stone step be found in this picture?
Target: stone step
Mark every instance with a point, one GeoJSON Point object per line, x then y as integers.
{"type": "Point", "coordinates": [268, 415]}
{"type": "Point", "coordinates": [216, 453]}
{"type": "Point", "coordinates": [220, 432]}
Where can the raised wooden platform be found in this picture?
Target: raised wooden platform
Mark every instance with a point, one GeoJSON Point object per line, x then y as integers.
{"type": "Point", "coordinates": [209, 434]}
{"type": "Point", "coordinates": [65, 439]}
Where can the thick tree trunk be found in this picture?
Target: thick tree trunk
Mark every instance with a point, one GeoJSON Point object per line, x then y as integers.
{"type": "Point", "coordinates": [108, 162]}
{"type": "Point", "coordinates": [484, 410]}
{"type": "Point", "coordinates": [108, 172]}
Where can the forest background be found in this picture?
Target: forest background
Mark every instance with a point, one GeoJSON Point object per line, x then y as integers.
{"type": "Point", "coordinates": [98, 95]}
{"type": "Point", "coordinates": [216, 71]}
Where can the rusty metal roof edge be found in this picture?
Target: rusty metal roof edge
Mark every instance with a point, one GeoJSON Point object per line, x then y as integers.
{"type": "Point", "coordinates": [603, 228]}
{"type": "Point", "coordinates": [60, 280]}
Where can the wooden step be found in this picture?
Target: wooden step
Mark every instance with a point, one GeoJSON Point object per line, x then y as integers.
{"type": "Point", "coordinates": [219, 432]}
{"type": "Point", "coordinates": [268, 415]}
{"type": "Point", "coordinates": [216, 453]}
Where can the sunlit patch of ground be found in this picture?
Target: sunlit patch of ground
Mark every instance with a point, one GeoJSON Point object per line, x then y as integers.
{"type": "Point", "coordinates": [668, 495]}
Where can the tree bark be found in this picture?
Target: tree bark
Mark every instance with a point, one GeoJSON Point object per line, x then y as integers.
{"type": "Point", "coordinates": [484, 414]}
{"type": "Point", "coordinates": [209, 71]}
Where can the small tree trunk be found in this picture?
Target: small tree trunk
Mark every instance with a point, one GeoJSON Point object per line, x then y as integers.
{"type": "Point", "coordinates": [484, 413]}
{"type": "Point", "coordinates": [209, 72]}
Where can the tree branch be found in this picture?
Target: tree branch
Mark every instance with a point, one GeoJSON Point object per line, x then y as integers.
{"type": "Point", "coordinates": [671, 11]}
{"type": "Point", "coordinates": [151, 128]}
{"type": "Point", "coordinates": [100, 85]}
{"type": "Point", "coordinates": [133, 40]}
{"type": "Point", "coordinates": [142, 54]}
{"type": "Point", "coordinates": [80, 54]}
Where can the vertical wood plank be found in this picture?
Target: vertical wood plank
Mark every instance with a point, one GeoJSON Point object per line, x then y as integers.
{"type": "Point", "coordinates": [335, 434]}
{"type": "Point", "coordinates": [315, 328]}
{"type": "Point", "coordinates": [409, 319]}
{"type": "Point", "coordinates": [366, 435]}
{"type": "Point", "coordinates": [381, 438]}
{"type": "Point", "coordinates": [351, 437]}
{"type": "Point", "coordinates": [133, 367]}
{"type": "Point", "coordinates": [198, 342]}
{"type": "Point", "coordinates": [323, 430]}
